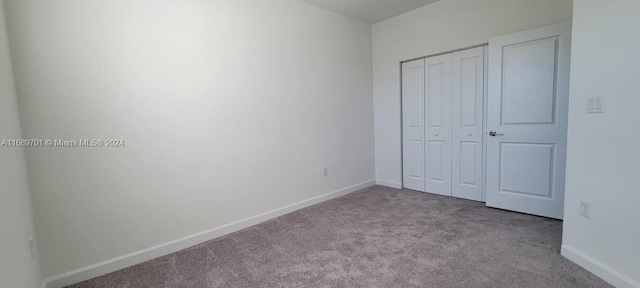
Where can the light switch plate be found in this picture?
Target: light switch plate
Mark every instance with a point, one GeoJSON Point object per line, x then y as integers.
{"type": "Point", "coordinates": [595, 104]}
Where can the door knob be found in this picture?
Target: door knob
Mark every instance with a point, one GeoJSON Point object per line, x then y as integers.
{"type": "Point", "coordinates": [494, 134]}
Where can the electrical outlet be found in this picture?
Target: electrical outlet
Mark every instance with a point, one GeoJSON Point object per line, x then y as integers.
{"type": "Point", "coordinates": [595, 104]}
{"type": "Point", "coordinates": [585, 208]}
{"type": "Point", "coordinates": [325, 171]}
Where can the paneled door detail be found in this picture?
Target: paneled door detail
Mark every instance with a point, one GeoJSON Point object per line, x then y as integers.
{"type": "Point", "coordinates": [467, 103]}
{"type": "Point", "coordinates": [438, 133]}
{"type": "Point", "coordinates": [527, 119]}
{"type": "Point", "coordinates": [413, 147]}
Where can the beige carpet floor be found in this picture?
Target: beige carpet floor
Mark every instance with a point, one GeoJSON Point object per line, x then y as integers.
{"type": "Point", "coordinates": [377, 237]}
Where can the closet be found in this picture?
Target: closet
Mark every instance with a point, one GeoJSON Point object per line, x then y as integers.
{"type": "Point", "coordinates": [442, 123]}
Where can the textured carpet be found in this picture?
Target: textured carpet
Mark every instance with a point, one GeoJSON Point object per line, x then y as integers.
{"type": "Point", "coordinates": [377, 237]}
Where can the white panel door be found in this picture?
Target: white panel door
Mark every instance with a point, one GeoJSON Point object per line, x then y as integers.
{"type": "Point", "coordinates": [527, 120]}
{"type": "Point", "coordinates": [413, 147]}
{"type": "Point", "coordinates": [467, 107]}
{"type": "Point", "coordinates": [438, 133]}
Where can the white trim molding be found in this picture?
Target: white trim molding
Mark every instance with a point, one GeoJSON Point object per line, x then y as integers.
{"type": "Point", "coordinates": [598, 268]}
{"type": "Point", "coordinates": [150, 253]}
{"type": "Point", "coordinates": [387, 183]}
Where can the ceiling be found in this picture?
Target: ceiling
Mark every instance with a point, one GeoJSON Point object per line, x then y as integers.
{"type": "Point", "coordinates": [370, 11]}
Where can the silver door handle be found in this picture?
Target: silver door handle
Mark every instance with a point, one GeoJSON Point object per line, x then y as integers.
{"type": "Point", "coordinates": [494, 134]}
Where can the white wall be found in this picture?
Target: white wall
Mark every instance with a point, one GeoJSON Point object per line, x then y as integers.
{"type": "Point", "coordinates": [603, 156]}
{"type": "Point", "coordinates": [17, 269]}
{"type": "Point", "coordinates": [442, 26]}
{"type": "Point", "coordinates": [229, 108]}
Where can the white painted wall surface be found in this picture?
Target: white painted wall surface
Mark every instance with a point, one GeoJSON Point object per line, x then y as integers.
{"type": "Point", "coordinates": [228, 109]}
{"type": "Point", "coordinates": [17, 268]}
{"type": "Point", "coordinates": [438, 27]}
{"type": "Point", "coordinates": [603, 155]}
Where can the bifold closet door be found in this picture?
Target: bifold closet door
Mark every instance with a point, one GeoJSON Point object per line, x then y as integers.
{"type": "Point", "coordinates": [442, 120]}
{"type": "Point", "coordinates": [438, 133]}
{"type": "Point", "coordinates": [413, 142]}
{"type": "Point", "coordinates": [467, 103]}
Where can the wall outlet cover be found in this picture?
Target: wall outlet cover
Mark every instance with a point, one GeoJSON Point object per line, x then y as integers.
{"type": "Point", "coordinates": [585, 208]}
{"type": "Point", "coordinates": [595, 104]}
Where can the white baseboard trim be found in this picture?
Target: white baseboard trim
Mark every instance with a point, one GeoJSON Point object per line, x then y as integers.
{"type": "Point", "coordinates": [598, 268]}
{"type": "Point", "coordinates": [150, 253]}
{"type": "Point", "coordinates": [386, 183]}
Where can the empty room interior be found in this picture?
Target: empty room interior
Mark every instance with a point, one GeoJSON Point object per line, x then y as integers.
{"type": "Point", "coordinates": [319, 143]}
